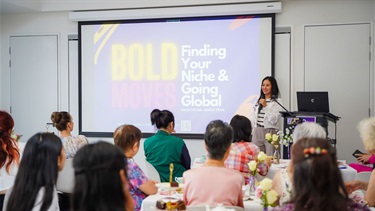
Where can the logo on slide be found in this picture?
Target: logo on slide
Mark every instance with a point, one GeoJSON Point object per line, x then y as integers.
{"type": "Point", "coordinates": [312, 100]}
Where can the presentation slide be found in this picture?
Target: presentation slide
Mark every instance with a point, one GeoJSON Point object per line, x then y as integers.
{"type": "Point", "coordinates": [201, 69]}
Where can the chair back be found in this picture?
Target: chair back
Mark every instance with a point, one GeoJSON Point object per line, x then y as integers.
{"type": "Point", "coordinates": [65, 179]}
{"type": "Point", "coordinates": [152, 173]}
{"type": "Point", "coordinates": [363, 176]}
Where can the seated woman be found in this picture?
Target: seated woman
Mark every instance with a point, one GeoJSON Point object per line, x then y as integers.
{"type": "Point", "coordinates": [282, 180]}
{"type": "Point", "coordinates": [127, 138]}
{"type": "Point", "coordinates": [242, 150]}
{"type": "Point", "coordinates": [317, 180]}
{"type": "Point", "coordinates": [35, 184]}
{"type": "Point", "coordinates": [100, 179]}
{"type": "Point", "coordinates": [213, 183]}
{"type": "Point", "coordinates": [162, 148]}
{"type": "Point", "coordinates": [366, 163]}
{"type": "Point", "coordinates": [63, 122]}
{"type": "Point", "coordinates": [9, 155]}
{"type": "Point", "coordinates": [366, 130]}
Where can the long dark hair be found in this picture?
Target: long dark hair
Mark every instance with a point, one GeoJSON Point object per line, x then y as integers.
{"type": "Point", "coordinates": [241, 128]}
{"type": "Point", "coordinates": [8, 149]}
{"type": "Point", "coordinates": [161, 118]}
{"type": "Point", "coordinates": [38, 168]}
{"type": "Point", "coordinates": [274, 89]}
{"type": "Point", "coordinates": [98, 184]}
{"type": "Point", "coordinates": [317, 180]}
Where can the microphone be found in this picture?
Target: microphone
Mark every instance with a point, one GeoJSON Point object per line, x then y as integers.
{"type": "Point", "coordinates": [273, 98]}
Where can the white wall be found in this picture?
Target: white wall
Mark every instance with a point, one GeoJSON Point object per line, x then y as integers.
{"type": "Point", "coordinates": [298, 14]}
{"type": "Point", "coordinates": [295, 14]}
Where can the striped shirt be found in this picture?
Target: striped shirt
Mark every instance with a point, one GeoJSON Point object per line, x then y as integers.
{"type": "Point", "coordinates": [260, 117]}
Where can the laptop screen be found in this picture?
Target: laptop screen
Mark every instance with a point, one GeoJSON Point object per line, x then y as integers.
{"type": "Point", "coordinates": [313, 101]}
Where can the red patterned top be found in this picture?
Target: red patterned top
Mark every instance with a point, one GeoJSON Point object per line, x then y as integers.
{"type": "Point", "coordinates": [241, 153]}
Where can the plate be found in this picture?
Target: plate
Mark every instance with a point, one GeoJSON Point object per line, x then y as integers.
{"type": "Point", "coordinates": [246, 197]}
{"type": "Point", "coordinates": [167, 185]}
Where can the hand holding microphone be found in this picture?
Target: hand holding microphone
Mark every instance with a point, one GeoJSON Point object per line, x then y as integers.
{"type": "Point", "coordinates": [262, 102]}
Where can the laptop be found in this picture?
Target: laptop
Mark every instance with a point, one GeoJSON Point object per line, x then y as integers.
{"type": "Point", "coordinates": [313, 101]}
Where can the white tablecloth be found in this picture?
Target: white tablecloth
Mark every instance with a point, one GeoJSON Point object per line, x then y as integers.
{"type": "Point", "coordinates": [149, 203]}
{"type": "Point", "coordinates": [347, 172]}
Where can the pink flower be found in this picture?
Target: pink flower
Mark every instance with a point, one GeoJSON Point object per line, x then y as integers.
{"type": "Point", "coordinates": [258, 193]}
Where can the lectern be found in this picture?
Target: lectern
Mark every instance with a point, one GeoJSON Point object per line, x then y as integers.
{"type": "Point", "coordinates": [291, 119]}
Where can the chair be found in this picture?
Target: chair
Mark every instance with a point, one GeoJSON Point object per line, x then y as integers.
{"type": "Point", "coordinates": [65, 185]}
{"type": "Point", "coordinates": [65, 179]}
{"type": "Point", "coordinates": [204, 208]}
{"type": "Point", "coordinates": [152, 173]}
{"type": "Point", "coordinates": [363, 176]}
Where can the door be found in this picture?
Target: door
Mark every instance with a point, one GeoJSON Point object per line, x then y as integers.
{"type": "Point", "coordinates": [34, 82]}
{"type": "Point", "coordinates": [337, 60]}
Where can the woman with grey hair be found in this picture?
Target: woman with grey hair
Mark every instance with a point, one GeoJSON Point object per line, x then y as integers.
{"type": "Point", "coordinates": [308, 130]}
{"type": "Point", "coordinates": [366, 130]}
{"type": "Point", "coordinates": [282, 180]}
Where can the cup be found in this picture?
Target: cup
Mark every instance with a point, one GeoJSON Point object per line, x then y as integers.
{"type": "Point", "coordinates": [203, 158]}
{"type": "Point", "coordinates": [179, 180]}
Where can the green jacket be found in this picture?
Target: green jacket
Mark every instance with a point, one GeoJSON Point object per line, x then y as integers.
{"type": "Point", "coordinates": [162, 149]}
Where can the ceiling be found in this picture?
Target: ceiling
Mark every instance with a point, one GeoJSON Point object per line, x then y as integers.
{"type": "Point", "coordinates": [34, 6]}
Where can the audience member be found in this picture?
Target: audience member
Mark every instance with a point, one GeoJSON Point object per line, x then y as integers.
{"type": "Point", "coordinates": [266, 114]}
{"type": "Point", "coordinates": [282, 180]}
{"type": "Point", "coordinates": [213, 183]}
{"type": "Point", "coordinates": [35, 184]}
{"type": "Point", "coordinates": [127, 138]}
{"type": "Point", "coordinates": [367, 162]}
{"type": "Point", "coordinates": [162, 148]}
{"type": "Point", "coordinates": [63, 121]}
{"type": "Point", "coordinates": [242, 150]}
{"type": "Point", "coordinates": [100, 179]}
{"type": "Point", "coordinates": [317, 180]}
{"type": "Point", "coordinates": [308, 130]}
{"type": "Point", "coordinates": [366, 130]}
{"type": "Point", "coordinates": [9, 155]}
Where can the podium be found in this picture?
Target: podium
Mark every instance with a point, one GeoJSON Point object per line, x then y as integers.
{"type": "Point", "coordinates": [291, 119]}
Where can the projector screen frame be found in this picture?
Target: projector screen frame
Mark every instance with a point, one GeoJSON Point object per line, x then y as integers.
{"type": "Point", "coordinates": [150, 20]}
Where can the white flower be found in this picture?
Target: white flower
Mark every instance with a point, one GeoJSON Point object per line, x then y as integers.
{"type": "Point", "coordinates": [262, 156]}
{"type": "Point", "coordinates": [266, 184]}
{"type": "Point", "coordinates": [252, 165]}
{"type": "Point", "coordinates": [271, 196]}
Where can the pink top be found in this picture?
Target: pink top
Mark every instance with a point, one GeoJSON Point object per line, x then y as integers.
{"type": "Point", "coordinates": [208, 185]}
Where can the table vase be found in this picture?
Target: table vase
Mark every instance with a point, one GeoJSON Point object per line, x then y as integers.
{"type": "Point", "coordinates": [276, 156]}
{"type": "Point", "coordinates": [252, 185]}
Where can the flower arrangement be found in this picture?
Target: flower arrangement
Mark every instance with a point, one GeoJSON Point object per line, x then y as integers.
{"type": "Point", "coordinates": [266, 193]}
{"type": "Point", "coordinates": [15, 137]}
{"type": "Point", "coordinates": [273, 139]}
{"type": "Point", "coordinates": [287, 138]}
{"type": "Point", "coordinates": [254, 165]}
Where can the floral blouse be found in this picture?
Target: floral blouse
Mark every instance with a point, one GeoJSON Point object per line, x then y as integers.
{"type": "Point", "coordinates": [136, 178]}
{"type": "Point", "coordinates": [72, 144]}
